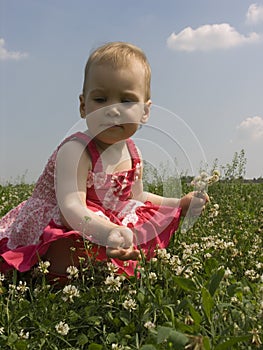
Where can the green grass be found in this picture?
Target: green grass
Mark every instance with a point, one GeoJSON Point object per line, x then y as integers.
{"type": "Point", "coordinates": [204, 292]}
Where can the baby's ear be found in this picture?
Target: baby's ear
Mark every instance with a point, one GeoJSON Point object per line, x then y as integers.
{"type": "Point", "coordinates": [82, 106]}
{"type": "Point", "coordinates": [146, 113]}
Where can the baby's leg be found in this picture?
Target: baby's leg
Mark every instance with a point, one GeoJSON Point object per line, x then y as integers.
{"type": "Point", "coordinates": [63, 253]}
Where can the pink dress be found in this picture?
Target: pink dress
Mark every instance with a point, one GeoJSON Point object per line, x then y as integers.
{"type": "Point", "coordinates": [27, 230]}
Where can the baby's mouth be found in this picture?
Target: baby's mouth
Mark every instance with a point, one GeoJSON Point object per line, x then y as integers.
{"type": "Point", "coordinates": [112, 126]}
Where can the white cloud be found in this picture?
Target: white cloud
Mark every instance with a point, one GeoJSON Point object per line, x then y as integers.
{"type": "Point", "coordinates": [209, 37]}
{"type": "Point", "coordinates": [10, 55]}
{"type": "Point", "coordinates": [254, 14]}
{"type": "Point", "coordinates": [251, 128]}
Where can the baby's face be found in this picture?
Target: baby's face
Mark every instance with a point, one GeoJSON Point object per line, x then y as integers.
{"type": "Point", "coordinates": [114, 101]}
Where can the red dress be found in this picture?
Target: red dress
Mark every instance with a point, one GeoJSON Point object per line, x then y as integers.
{"type": "Point", "coordinates": [27, 230]}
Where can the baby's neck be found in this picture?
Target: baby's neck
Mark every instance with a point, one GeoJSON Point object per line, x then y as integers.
{"type": "Point", "coordinates": [115, 147]}
{"type": "Point", "coordinates": [116, 158]}
{"type": "Point", "coordinates": [101, 146]}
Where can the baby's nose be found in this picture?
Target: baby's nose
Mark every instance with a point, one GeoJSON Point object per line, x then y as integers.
{"type": "Point", "coordinates": [112, 111]}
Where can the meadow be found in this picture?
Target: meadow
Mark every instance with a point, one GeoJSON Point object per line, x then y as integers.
{"type": "Point", "coordinates": [205, 291]}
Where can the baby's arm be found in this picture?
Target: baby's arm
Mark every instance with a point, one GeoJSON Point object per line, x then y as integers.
{"type": "Point", "coordinates": [190, 201]}
{"type": "Point", "coordinates": [72, 166]}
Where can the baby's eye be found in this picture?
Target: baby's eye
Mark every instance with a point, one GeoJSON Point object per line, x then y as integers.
{"type": "Point", "coordinates": [126, 100]}
{"type": "Point", "coordinates": [100, 99]}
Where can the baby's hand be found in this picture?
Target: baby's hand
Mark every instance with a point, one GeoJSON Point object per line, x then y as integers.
{"type": "Point", "coordinates": [123, 254]}
{"type": "Point", "coordinates": [120, 237]}
{"type": "Point", "coordinates": [120, 244]}
{"type": "Point", "coordinates": [193, 203]}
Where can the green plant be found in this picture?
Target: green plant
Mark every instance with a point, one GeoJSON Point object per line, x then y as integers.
{"type": "Point", "coordinates": [204, 291]}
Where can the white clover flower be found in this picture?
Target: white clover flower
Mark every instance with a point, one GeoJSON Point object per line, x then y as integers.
{"type": "Point", "coordinates": [256, 338]}
{"type": "Point", "coordinates": [70, 292]}
{"type": "Point", "coordinates": [12, 287]}
{"type": "Point", "coordinates": [22, 287]}
{"type": "Point", "coordinates": [202, 181]}
{"type": "Point", "coordinates": [111, 267]}
{"type": "Point", "coordinates": [216, 172]}
{"type": "Point", "coordinates": [227, 273]}
{"type": "Point", "coordinates": [213, 179]}
{"type": "Point", "coordinates": [62, 328]}
{"type": "Point", "coordinates": [73, 272]}
{"type": "Point", "coordinates": [214, 211]}
{"type": "Point", "coordinates": [81, 259]}
{"type": "Point", "coordinates": [163, 255]}
{"type": "Point", "coordinates": [113, 283]}
{"type": "Point", "coordinates": [252, 275]}
{"type": "Point", "coordinates": [189, 320]}
{"type": "Point", "coordinates": [234, 300]}
{"type": "Point", "coordinates": [259, 265]}
{"type": "Point", "coordinates": [149, 325]}
{"type": "Point", "coordinates": [43, 267]}
{"type": "Point", "coordinates": [117, 346]}
{"type": "Point", "coordinates": [247, 290]}
{"type": "Point", "coordinates": [2, 277]}
{"type": "Point", "coordinates": [23, 335]}
{"type": "Point", "coordinates": [203, 175]}
{"type": "Point", "coordinates": [129, 304]}
{"type": "Point", "coordinates": [132, 291]}
{"type": "Point", "coordinates": [179, 270]}
{"type": "Point", "coordinates": [188, 273]}
{"type": "Point", "coordinates": [152, 277]}
{"type": "Point", "coordinates": [175, 261]}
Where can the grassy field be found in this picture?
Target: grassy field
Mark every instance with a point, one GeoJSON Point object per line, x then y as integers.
{"type": "Point", "coordinates": [204, 292]}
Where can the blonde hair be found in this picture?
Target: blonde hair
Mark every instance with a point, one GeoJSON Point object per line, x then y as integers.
{"type": "Point", "coordinates": [118, 54]}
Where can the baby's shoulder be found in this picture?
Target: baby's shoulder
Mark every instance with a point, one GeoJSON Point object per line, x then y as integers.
{"type": "Point", "coordinates": [71, 146]}
{"type": "Point", "coordinates": [73, 154]}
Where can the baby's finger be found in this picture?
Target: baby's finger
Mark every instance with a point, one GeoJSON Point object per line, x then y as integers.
{"type": "Point", "coordinates": [123, 254]}
{"type": "Point", "coordinates": [197, 202]}
{"type": "Point", "coordinates": [115, 240]}
{"type": "Point", "coordinates": [197, 211]}
{"type": "Point", "coordinates": [127, 235]}
{"type": "Point", "coordinates": [207, 199]}
{"type": "Point", "coordinates": [202, 195]}
{"type": "Point", "coordinates": [115, 252]}
{"type": "Point", "coordinates": [132, 254]}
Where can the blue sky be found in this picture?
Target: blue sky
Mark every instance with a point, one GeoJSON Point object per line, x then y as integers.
{"type": "Point", "coordinates": [206, 58]}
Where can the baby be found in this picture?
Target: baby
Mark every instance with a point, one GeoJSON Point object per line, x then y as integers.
{"type": "Point", "coordinates": [91, 187]}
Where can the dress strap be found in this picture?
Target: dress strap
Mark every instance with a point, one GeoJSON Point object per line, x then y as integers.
{"type": "Point", "coordinates": [91, 146]}
{"type": "Point", "coordinates": [133, 152]}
